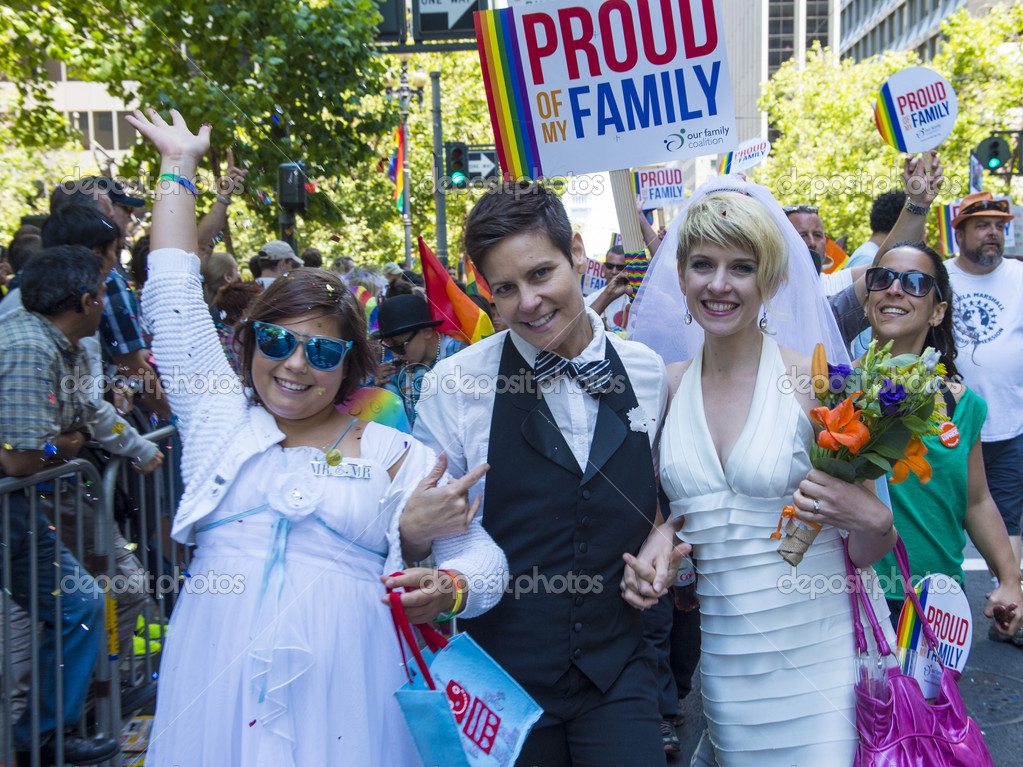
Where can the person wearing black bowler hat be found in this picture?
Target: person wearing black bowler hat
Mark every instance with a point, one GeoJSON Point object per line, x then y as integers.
{"type": "Point", "coordinates": [567, 415]}
{"type": "Point", "coordinates": [410, 334]}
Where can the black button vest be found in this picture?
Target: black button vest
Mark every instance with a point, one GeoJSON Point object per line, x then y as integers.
{"type": "Point", "coordinates": [564, 531]}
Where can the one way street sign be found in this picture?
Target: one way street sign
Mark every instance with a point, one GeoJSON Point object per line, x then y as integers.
{"type": "Point", "coordinates": [483, 162]}
{"type": "Point", "coordinates": [444, 19]}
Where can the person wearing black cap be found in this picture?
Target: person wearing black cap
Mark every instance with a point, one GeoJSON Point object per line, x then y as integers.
{"type": "Point", "coordinates": [410, 334]}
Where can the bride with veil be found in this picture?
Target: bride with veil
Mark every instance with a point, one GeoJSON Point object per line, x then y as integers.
{"type": "Point", "coordinates": [733, 303]}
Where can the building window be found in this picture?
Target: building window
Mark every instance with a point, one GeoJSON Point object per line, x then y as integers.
{"type": "Point", "coordinates": [126, 134]}
{"type": "Point", "coordinates": [103, 124]}
{"type": "Point", "coordinates": [80, 120]}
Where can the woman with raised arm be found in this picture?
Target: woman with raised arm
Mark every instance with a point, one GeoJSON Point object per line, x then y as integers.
{"type": "Point", "coordinates": [909, 300]}
{"type": "Point", "coordinates": [777, 660]}
{"type": "Point", "coordinates": [281, 650]}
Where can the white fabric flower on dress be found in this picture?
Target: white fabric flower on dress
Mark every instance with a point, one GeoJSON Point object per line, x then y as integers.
{"type": "Point", "coordinates": [639, 420]}
{"type": "Point", "coordinates": [296, 496]}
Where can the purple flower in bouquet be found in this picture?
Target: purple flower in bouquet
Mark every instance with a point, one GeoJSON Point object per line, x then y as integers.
{"type": "Point", "coordinates": [891, 398]}
{"type": "Point", "coordinates": [837, 375]}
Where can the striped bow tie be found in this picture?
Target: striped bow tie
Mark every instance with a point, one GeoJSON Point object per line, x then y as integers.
{"type": "Point", "coordinates": [594, 377]}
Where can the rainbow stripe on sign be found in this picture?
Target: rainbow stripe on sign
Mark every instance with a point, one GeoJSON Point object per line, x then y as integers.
{"type": "Point", "coordinates": [507, 97]}
{"type": "Point", "coordinates": [910, 627]}
{"type": "Point", "coordinates": [725, 166]}
{"type": "Point", "coordinates": [946, 236]}
{"type": "Point", "coordinates": [635, 267]}
{"type": "Point", "coordinates": [884, 116]}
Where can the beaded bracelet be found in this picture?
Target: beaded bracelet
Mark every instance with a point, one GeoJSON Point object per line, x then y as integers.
{"type": "Point", "coordinates": [460, 592]}
{"type": "Point", "coordinates": [180, 180]}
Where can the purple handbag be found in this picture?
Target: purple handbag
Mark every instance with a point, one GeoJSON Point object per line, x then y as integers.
{"type": "Point", "coordinates": [897, 726]}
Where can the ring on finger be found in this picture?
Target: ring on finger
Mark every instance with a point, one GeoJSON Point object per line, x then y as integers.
{"type": "Point", "coordinates": [816, 506]}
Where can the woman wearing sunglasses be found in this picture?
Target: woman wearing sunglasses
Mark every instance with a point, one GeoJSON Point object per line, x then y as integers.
{"type": "Point", "coordinates": [281, 650]}
{"type": "Point", "coordinates": [908, 302]}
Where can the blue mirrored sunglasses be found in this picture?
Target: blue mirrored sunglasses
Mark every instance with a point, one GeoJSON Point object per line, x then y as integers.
{"type": "Point", "coordinates": [277, 343]}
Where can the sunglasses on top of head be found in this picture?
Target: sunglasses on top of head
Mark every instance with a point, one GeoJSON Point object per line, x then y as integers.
{"type": "Point", "coordinates": [916, 284]}
{"type": "Point", "coordinates": [321, 352]}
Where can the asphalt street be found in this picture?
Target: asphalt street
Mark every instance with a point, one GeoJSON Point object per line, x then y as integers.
{"type": "Point", "coordinates": [991, 686]}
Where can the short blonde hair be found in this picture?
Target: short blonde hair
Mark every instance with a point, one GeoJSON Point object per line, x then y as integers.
{"type": "Point", "coordinates": [736, 221]}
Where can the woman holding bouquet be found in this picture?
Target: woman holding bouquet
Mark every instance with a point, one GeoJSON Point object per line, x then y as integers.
{"type": "Point", "coordinates": [908, 302]}
{"type": "Point", "coordinates": [778, 657]}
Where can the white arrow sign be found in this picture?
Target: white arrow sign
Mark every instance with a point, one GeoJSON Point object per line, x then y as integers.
{"type": "Point", "coordinates": [481, 165]}
{"type": "Point", "coordinates": [454, 9]}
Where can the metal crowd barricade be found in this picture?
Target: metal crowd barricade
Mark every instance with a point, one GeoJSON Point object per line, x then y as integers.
{"type": "Point", "coordinates": [82, 480]}
{"type": "Point", "coordinates": [148, 524]}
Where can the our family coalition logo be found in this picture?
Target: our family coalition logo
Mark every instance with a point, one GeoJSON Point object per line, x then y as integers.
{"type": "Point", "coordinates": [980, 313]}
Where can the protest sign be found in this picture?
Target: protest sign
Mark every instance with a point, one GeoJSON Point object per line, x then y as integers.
{"type": "Point", "coordinates": [659, 187]}
{"type": "Point", "coordinates": [578, 86]}
{"type": "Point", "coordinates": [593, 277]}
{"type": "Point", "coordinates": [948, 611]}
{"type": "Point", "coordinates": [916, 110]}
{"type": "Point", "coordinates": [749, 153]}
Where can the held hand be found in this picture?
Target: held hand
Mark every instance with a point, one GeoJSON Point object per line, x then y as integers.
{"type": "Point", "coordinates": [922, 185]}
{"type": "Point", "coordinates": [233, 179]}
{"type": "Point", "coordinates": [428, 593]}
{"type": "Point", "coordinates": [649, 574]}
{"type": "Point", "coordinates": [618, 286]}
{"type": "Point", "coordinates": [174, 141]}
{"type": "Point", "coordinates": [151, 465]}
{"type": "Point", "coordinates": [385, 370]}
{"type": "Point", "coordinates": [851, 507]}
{"type": "Point", "coordinates": [438, 511]}
{"type": "Point", "coordinates": [1003, 604]}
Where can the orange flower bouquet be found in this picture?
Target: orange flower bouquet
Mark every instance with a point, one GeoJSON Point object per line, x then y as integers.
{"type": "Point", "coordinates": [871, 419]}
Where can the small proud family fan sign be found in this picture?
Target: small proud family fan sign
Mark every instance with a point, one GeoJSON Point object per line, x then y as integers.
{"type": "Point", "coordinates": [583, 86]}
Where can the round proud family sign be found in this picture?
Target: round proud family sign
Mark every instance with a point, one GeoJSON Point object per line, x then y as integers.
{"type": "Point", "coordinates": [916, 110]}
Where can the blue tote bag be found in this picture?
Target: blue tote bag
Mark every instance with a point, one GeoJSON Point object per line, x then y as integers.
{"type": "Point", "coordinates": [462, 708]}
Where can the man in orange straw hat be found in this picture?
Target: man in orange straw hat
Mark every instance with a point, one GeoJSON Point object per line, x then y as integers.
{"type": "Point", "coordinates": [987, 289]}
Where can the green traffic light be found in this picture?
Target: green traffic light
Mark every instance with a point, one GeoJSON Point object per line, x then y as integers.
{"type": "Point", "coordinates": [457, 178]}
{"type": "Point", "coordinates": [993, 162]}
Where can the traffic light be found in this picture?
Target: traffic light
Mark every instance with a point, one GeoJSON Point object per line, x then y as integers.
{"type": "Point", "coordinates": [291, 192]}
{"type": "Point", "coordinates": [456, 163]}
{"type": "Point", "coordinates": [994, 152]}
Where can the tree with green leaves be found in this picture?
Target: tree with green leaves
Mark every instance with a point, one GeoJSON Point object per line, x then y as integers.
{"type": "Point", "coordinates": [830, 152]}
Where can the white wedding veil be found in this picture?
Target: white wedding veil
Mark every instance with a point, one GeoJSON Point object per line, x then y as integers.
{"type": "Point", "coordinates": [800, 316]}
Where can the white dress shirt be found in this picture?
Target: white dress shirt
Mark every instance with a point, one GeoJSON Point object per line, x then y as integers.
{"type": "Point", "coordinates": [455, 408]}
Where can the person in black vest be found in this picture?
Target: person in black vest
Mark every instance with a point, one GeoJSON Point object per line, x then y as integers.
{"type": "Point", "coordinates": [566, 415]}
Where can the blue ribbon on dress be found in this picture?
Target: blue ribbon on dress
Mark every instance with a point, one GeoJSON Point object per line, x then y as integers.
{"type": "Point", "coordinates": [273, 570]}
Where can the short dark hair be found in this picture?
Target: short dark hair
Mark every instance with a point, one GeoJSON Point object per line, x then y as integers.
{"type": "Point", "coordinates": [885, 210]}
{"type": "Point", "coordinates": [22, 249]}
{"type": "Point", "coordinates": [79, 225]}
{"type": "Point", "coordinates": [82, 191]}
{"type": "Point", "coordinates": [400, 287]}
{"type": "Point", "coordinates": [256, 266]}
{"type": "Point", "coordinates": [309, 290]}
{"type": "Point", "coordinates": [618, 250]}
{"type": "Point", "coordinates": [233, 299]}
{"type": "Point", "coordinates": [140, 261]}
{"type": "Point", "coordinates": [54, 280]}
{"type": "Point", "coordinates": [312, 257]}
{"type": "Point", "coordinates": [510, 209]}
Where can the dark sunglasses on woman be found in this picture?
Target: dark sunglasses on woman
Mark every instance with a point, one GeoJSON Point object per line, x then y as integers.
{"type": "Point", "coordinates": [321, 352]}
{"type": "Point", "coordinates": [916, 284]}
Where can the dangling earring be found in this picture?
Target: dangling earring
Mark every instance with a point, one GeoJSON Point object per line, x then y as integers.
{"type": "Point", "coordinates": [763, 320]}
{"type": "Point", "coordinates": [688, 318]}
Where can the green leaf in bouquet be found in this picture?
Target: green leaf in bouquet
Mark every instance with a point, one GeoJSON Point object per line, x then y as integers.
{"type": "Point", "coordinates": [870, 471]}
{"type": "Point", "coordinates": [915, 424]}
{"type": "Point", "coordinates": [904, 360]}
{"type": "Point", "coordinates": [878, 461]}
{"type": "Point", "coordinates": [896, 436]}
{"type": "Point", "coordinates": [840, 469]}
{"type": "Point", "coordinates": [887, 451]}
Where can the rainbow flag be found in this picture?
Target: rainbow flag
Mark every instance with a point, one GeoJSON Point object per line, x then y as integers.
{"type": "Point", "coordinates": [370, 403]}
{"type": "Point", "coordinates": [946, 235]}
{"type": "Point", "coordinates": [507, 98]}
{"type": "Point", "coordinates": [396, 171]}
{"type": "Point", "coordinates": [369, 305]}
{"type": "Point", "coordinates": [884, 117]}
{"type": "Point", "coordinates": [461, 318]}
{"type": "Point", "coordinates": [910, 628]}
{"type": "Point", "coordinates": [474, 282]}
{"type": "Point", "coordinates": [725, 166]}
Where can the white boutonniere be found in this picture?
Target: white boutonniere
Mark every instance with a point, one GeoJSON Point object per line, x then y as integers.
{"type": "Point", "coordinates": [639, 421]}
